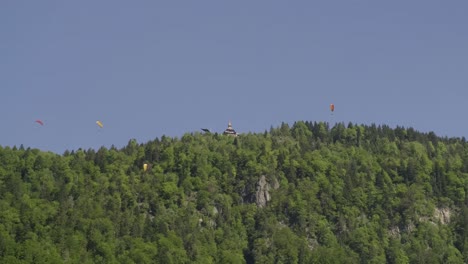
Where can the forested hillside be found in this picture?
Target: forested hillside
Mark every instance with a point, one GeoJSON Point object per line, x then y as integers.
{"type": "Point", "coordinates": [300, 193]}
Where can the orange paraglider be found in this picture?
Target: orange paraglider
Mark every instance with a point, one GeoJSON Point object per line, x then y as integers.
{"type": "Point", "coordinates": [332, 107]}
{"type": "Point", "coordinates": [40, 122]}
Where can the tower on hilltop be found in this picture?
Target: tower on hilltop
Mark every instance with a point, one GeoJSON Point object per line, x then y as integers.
{"type": "Point", "coordinates": [230, 131]}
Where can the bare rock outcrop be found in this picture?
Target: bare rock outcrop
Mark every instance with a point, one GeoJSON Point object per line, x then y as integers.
{"type": "Point", "coordinates": [263, 191]}
{"type": "Point", "coordinates": [443, 215]}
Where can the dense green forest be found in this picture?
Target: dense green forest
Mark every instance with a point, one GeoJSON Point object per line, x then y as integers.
{"type": "Point", "coordinates": [299, 193]}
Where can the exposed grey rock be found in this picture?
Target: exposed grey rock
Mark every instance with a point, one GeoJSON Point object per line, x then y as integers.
{"type": "Point", "coordinates": [262, 196]}
{"type": "Point", "coordinates": [394, 232]}
{"type": "Point", "coordinates": [443, 215]}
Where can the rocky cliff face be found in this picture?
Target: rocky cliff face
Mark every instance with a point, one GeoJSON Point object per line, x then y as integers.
{"type": "Point", "coordinates": [263, 191]}
{"type": "Point", "coordinates": [443, 215]}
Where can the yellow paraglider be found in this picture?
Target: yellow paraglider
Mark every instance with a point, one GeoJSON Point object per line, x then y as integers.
{"type": "Point", "coordinates": [99, 123]}
{"type": "Point", "coordinates": [145, 167]}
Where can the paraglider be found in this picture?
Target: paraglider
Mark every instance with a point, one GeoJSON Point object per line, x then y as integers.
{"type": "Point", "coordinates": [99, 123]}
{"type": "Point", "coordinates": [206, 130]}
{"type": "Point", "coordinates": [40, 122]}
{"type": "Point", "coordinates": [332, 107]}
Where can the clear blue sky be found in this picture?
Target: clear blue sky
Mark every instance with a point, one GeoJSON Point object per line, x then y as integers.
{"type": "Point", "coordinates": [153, 68]}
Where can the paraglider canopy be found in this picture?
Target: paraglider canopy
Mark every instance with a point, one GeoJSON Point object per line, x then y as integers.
{"type": "Point", "coordinates": [40, 122]}
{"type": "Point", "coordinates": [332, 107]}
{"type": "Point", "coordinates": [99, 123]}
{"type": "Point", "coordinates": [206, 130]}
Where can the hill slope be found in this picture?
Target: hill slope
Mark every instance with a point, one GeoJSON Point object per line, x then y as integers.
{"type": "Point", "coordinates": [301, 194]}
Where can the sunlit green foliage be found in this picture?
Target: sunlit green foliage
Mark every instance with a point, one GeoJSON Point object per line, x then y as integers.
{"type": "Point", "coordinates": [342, 194]}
